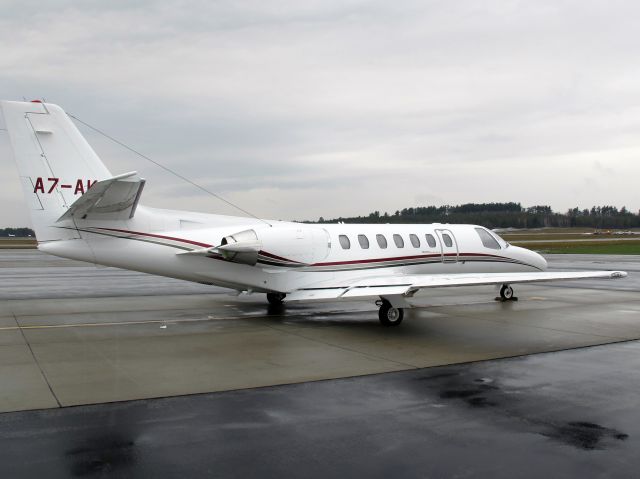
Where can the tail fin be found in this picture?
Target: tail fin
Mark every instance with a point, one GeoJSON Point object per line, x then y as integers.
{"type": "Point", "coordinates": [55, 162]}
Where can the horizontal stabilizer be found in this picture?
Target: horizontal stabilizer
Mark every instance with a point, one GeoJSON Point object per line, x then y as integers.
{"type": "Point", "coordinates": [111, 199]}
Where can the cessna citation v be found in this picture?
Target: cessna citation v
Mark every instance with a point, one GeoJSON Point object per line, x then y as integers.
{"type": "Point", "coordinates": [81, 211]}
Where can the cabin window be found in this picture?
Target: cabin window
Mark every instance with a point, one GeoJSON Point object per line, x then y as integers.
{"type": "Point", "coordinates": [344, 241]}
{"type": "Point", "coordinates": [447, 240]}
{"type": "Point", "coordinates": [415, 241]}
{"type": "Point", "coordinates": [487, 239]}
{"type": "Point", "coordinates": [364, 241]}
{"type": "Point", "coordinates": [397, 239]}
{"type": "Point", "coordinates": [382, 241]}
{"type": "Point", "coordinates": [431, 241]}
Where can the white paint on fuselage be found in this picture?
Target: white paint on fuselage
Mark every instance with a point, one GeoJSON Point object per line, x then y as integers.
{"type": "Point", "coordinates": [143, 254]}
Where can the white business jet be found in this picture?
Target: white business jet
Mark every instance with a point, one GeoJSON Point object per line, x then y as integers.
{"type": "Point", "coordinates": [81, 211]}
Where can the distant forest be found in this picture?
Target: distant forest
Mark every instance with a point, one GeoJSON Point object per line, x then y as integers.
{"type": "Point", "coordinates": [504, 215]}
{"type": "Point", "coordinates": [17, 232]}
{"type": "Point", "coordinates": [491, 215]}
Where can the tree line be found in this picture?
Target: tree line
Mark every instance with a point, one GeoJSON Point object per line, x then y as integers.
{"type": "Point", "coordinates": [17, 232]}
{"type": "Point", "coordinates": [490, 215]}
{"type": "Point", "coordinates": [503, 215]}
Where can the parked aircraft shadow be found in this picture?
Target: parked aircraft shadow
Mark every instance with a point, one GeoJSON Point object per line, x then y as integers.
{"type": "Point", "coordinates": [276, 310]}
{"type": "Point", "coordinates": [312, 315]}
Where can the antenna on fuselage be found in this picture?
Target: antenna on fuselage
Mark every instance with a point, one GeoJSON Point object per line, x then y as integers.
{"type": "Point", "coordinates": [166, 168]}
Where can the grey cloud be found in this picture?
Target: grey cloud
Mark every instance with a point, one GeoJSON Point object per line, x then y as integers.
{"type": "Point", "coordinates": [289, 107]}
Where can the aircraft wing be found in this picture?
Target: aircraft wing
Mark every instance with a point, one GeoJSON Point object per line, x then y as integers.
{"type": "Point", "coordinates": [114, 198]}
{"type": "Point", "coordinates": [407, 285]}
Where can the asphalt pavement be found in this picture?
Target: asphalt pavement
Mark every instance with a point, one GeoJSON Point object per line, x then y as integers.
{"type": "Point", "coordinates": [119, 374]}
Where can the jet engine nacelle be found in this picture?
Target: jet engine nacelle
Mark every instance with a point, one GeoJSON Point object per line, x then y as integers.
{"type": "Point", "coordinates": [242, 247]}
{"type": "Point", "coordinates": [277, 246]}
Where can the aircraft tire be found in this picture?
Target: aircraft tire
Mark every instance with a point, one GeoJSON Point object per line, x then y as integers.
{"type": "Point", "coordinates": [390, 316]}
{"type": "Point", "coordinates": [506, 292]}
{"type": "Point", "coordinates": [275, 298]}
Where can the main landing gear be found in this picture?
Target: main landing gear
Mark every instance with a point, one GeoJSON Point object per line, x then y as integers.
{"type": "Point", "coordinates": [388, 315]}
{"type": "Point", "coordinates": [275, 299]}
{"type": "Point", "coordinates": [506, 293]}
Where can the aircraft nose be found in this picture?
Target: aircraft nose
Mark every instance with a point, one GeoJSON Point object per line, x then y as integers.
{"type": "Point", "coordinates": [540, 262]}
{"type": "Point", "coordinates": [532, 258]}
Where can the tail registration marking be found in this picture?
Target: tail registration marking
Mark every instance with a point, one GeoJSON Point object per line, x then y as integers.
{"type": "Point", "coordinates": [52, 183]}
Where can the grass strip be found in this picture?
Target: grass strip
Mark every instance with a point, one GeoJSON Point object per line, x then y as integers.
{"type": "Point", "coordinates": [591, 247]}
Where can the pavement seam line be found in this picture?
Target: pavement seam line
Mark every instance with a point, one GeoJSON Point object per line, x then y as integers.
{"type": "Point", "coordinates": [75, 313]}
{"type": "Point", "coordinates": [111, 323]}
{"type": "Point", "coordinates": [412, 366]}
{"type": "Point", "coordinates": [33, 355]}
{"type": "Point", "coordinates": [558, 330]}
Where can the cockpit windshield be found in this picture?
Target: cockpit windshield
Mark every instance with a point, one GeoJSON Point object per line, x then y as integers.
{"type": "Point", "coordinates": [499, 239]}
{"type": "Point", "coordinates": [490, 239]}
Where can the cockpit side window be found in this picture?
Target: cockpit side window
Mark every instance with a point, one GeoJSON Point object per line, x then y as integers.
{"type": "Point", "coordinates": [487, 239]}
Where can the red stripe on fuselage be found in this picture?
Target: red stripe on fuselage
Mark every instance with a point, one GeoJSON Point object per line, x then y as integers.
{"type": "Point", "coordinates": [274, 256]}
{"type": "Point", "coordinates": [334, 263]}
{"type": "Point", "coordinates": [171, 238]}
{"type": "Point", "coordinates": [375, 260]}
{"type": "Point", "coordinates": [398, 258]}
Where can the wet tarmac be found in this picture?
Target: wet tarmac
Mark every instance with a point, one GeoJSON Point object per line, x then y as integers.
{"type": "Point", "coordinates": [565, 414]}
{"type": "Point", "coordinates": [72, 334]}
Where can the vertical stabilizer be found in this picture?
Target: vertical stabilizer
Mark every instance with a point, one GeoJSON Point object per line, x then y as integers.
{"type": "Point", "coordinates": [55, 162]}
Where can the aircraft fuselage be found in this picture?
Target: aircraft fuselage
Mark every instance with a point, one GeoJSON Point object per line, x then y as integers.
{"type": "Point", "coordinates": [309, 254]}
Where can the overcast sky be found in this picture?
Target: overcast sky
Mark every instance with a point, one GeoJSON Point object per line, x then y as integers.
{"type": "Point", "coordinates": [296, 110]}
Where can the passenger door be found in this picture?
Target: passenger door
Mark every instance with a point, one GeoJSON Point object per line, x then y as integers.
{"type": "Point", "coordinates": [448, 246]}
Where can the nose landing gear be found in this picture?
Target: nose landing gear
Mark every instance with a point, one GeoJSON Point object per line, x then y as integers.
{"type": "Point", "coordinates": [506, 293]}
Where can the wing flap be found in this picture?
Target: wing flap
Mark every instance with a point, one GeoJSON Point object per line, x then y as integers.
{"type": "Point", "coordinates": [379, 290]}
{"type": "Point", "coordinates": [315, 294]}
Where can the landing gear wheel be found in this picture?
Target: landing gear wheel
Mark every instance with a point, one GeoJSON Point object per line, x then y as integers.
{"type": "Point", "coordinates": [506, 292]}
{"type": "Point", "coordinates": [390, 316]}
{"type": "Point", "coordinates": [275, 298]}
